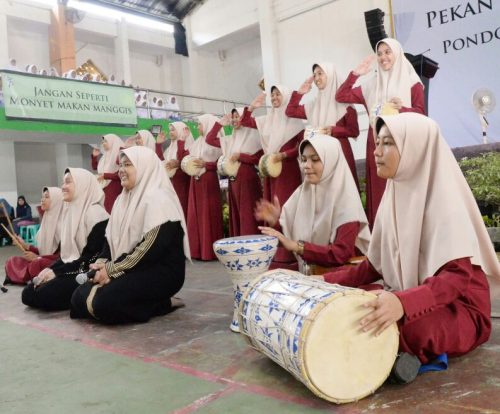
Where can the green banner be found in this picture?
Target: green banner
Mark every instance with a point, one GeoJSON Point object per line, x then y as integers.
{"type": "Point", "coordinates": [65, 100]}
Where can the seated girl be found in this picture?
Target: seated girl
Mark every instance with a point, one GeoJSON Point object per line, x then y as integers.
{"type": "Point", "coordinates": [323, 222]}
{"type": "Point", "coordinates": [23, 214]}
{"type": "Point", "coordinates": [143, 263]}
{"type": "Point", "coordinates": [83, 223]}
{"type": "Point", "coordinates": [21, 269]}
{"type": "Point", "coordinates": [429, 245]}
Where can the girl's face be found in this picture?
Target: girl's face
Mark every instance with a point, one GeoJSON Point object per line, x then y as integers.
{"type": "Point", "coordinates": [276, 98]}
{"type": "Point", "coordinates": [200, 129]}
{"type": "Point", "coordinates": [45, 201]}
{"type": "Point", "coordinates": [127, 173]}
{"type": "Point", "coordinates": [105, 144]}
{"type": "Point", "coordinates": [20, 201]}
{"type": "Point", "coordinates": [235, 119]}
{"type": "Point", "coordinates": [385, 56]}
{"type": "Point", "coordinates": [172, 132]}
{"type": "Point", "coordinates": [386, 153]}
{"type": "Point", "coordinates": [311, 164]}
{"type": "Point", "coordinates": [68, 188]}
{"type": "Point", "coordinates": [138, 140]}
{"type": "Point", "coordinates": [319, 77]}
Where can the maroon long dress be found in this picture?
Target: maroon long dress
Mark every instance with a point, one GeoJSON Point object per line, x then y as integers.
{"type": "Point", "coordinates": [181, 181]}
{"type": "Point", "coordinates": [19, 270]}
{"type": "Point", "coordinates": [204, 219]}
{"type": "Point", "coordinates": [345, 128]}
{"type": "Point", "coordinates": [285, 184]}
{"type": "Point", "coordinates": [375, 186]}
{"type": "Point", "coordinates": [448, 313]}
{"type": "Point", "coordinates": [243, 192]}
{"type": "Point", "coordinates": [112, 190]}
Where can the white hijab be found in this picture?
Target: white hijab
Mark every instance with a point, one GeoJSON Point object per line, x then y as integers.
{"type": "Point", "coordinates": [325, 110]}
{"type": "Point", "coordinates": [243, 140]}
{"type": "Point", "coordinates": [107, 163]}
{"type": "Point", "coordinates": [275, 128]}
{"type": "Point", "coordinates": [49, 235]}
{"type": "Point", "coordinates": [314, 212]}
{"type": "Point", "coordinates": [148, 140]}
{"type": "Point", "coordinates": [428, 215]}
{"type": "Point", "coordinates": [152, 202]}
{"type": "Point", "coordinates": [81, 214]}
{"type": "Point", "coordinates": [394, 83]}
{"type": "Point", "coordinates": [199, 148]}
{"type": "Point", "coordinates": [171, 152]}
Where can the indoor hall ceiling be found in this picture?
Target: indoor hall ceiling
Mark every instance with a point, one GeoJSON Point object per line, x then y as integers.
{"type": "Point", "coordinates": [167, 10]}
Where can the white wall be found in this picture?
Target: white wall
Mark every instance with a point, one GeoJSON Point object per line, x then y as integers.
{"type": "Point", "coordinates": [35, 169]}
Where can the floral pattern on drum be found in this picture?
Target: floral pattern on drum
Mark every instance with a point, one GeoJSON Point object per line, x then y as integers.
{"type": "Point", "coordinates": [244, 258]}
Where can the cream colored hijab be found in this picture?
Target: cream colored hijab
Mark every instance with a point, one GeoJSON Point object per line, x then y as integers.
{"type": "Point", "coordinates": [200, 149]}
{"type": "Point", "coordinates": [325, 110]}
{"type": "Point", "coordinates": [315, 211]}
{"type": "Point", "coordinates": [171, 152]}
{"type": "Point", "coordinates": [107, 163]}
{"type": "Point", "coordinates": [394, 83]}
{"type": "Point", "coordinates": [275, 128]}
{"type": "Point", "coordinates": [49, 235]}
{"type": "Point", "coordinates": [81, 214]}
{"type": "Point", "coordinates": [243, 140]}
{"type": "Point", "coordinates": [150, 203]}
{"type": "Point", "coordinates": [147, 139]}
{"type": "Point", "coordinates": [428, 215]}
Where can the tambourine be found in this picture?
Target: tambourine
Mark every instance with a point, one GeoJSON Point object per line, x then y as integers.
{"type": "Point", "coordinates": [189, 167]}
{"type": "Point", "coordinates": [268, 167]}
{"type": "Point", "coordinates": [226, 167]}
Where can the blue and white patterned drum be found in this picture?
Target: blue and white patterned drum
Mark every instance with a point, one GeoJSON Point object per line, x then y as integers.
{"type": "Point", "coordinates": [311, 328]}
{"type": "Point", "coordinates": [244, 258]}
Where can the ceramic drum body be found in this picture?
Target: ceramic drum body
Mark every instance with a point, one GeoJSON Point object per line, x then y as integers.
{"type": "Point", "coordinates": [244, 258]}
{"type": "Point", "coordinates": [226, 167]}
{"type": "Point", "coordinates": [269, 168]}
{"type": "Point", "coordinates": [311, 328]}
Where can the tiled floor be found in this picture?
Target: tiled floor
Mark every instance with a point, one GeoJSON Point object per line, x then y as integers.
{"type": "Point", "coordinates": [189, 361]}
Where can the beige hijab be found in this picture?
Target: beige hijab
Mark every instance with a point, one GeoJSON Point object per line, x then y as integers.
{"type": "Point", "coordinates": [81, 214]}
{"type": "Point", "coordinates": [394, 83]}
{"type": "Point", "coordinates": [243, 140]}
{"type": "Point", "coordinates": [171, 152]}
{"type": "Point", "coordinates": [150, 203]}
{"type": "Point", "coordinates": [49, 235]}
{"type": "Point", "coordinates": [315, 211]}
{"type": "Point", "coordinates": [107, 163]}
{"type": "Point", "coordinates": [325, 110]}
{"type": "Point", "coordinates": [275, 128]}
{"type": "Point", "coordinates": [147, 139]}
{"type": "Point", "coordinates": [428, 215]}
{"type": "Point", "coordinates": [200, 149]}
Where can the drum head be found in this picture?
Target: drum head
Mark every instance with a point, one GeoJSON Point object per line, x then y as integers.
{"type": "Point", "coordinates": [342, 363]}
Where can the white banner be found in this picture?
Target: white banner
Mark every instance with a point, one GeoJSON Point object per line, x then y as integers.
{"type": "Point", "coordinates": [464, 38]}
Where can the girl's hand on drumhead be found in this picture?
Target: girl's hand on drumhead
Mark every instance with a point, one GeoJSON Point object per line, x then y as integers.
{"type": "Point", "coordinates": [396, 103]}
{"type": "Point", "coordinates": [385, 310]}
{"type": "Point", "coordinates": [326, 130]}
{"type": "Point", "coordinates": [225, 120]}
{"type": "Point", "coordinates": [288, 244]}
{"type": "Point", "coordinates": [100, 178]}
{"type": "Point", "coordinates": [365, 66]}
{"type": "Point", "coordinates": [199, 163]}
{"type": "Point", "coordinates": [317, 277]}
{"type": "Point", "coordinates": [171, 164]}
{"type": "Point", "coordinates": [30, 256]}
{"type": "Point", "coordinates": [235, 157]}
{"type": "Point", "coordinates": [278, 157]}
{"type": "Point", "coordinates": [306, 86]}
